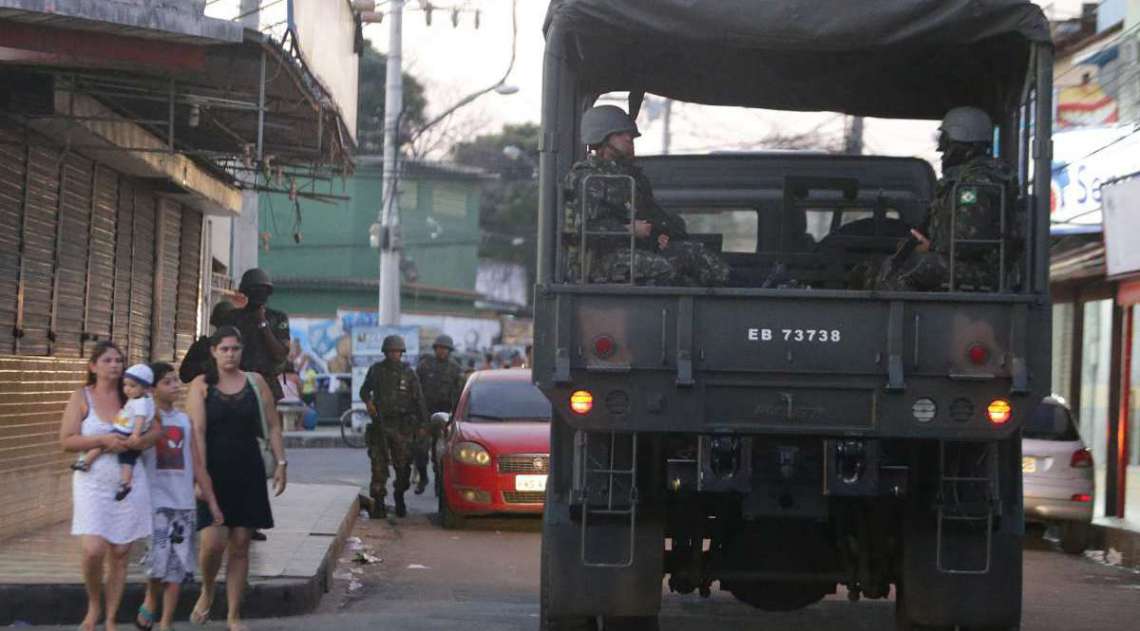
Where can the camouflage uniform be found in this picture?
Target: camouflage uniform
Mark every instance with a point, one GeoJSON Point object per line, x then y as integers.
{"type": "Point", "coordinates": [394, 391]}
{"type": "Point", "coordinates": [971, 191]}
{"type": "Point", "coordinates": [255, 356]}
{"type": "Point", "coordinates": [442, 383]}
{"type": "Point", "coordinates": [682, 262]}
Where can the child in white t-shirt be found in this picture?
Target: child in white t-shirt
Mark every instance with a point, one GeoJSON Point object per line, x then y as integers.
{"type": "Point", "coordinates": [174, 466]}
{"type": "Point", "coordinates": [132, 421]}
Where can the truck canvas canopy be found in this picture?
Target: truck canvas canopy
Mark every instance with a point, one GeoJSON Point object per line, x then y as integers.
{"type": "Point", "coordinates": [914, 59]}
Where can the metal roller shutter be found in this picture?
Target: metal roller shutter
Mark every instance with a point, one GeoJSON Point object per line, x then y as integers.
{"type": "Point", "coordinates": [37, 263]}
{"type": "Point", "coordinates": [124, 228]}
{"type": "Point", "coordinates": [101, 260]}
{"type": "Point", "coordinates": [189, 282]}
{"type": "Point", "coordinates": [166, 278]}
{"type": "Point", "coordinates": [72, 246]}
{"type": "Point", "coordinates": [142, 276]}
{"type": "Point", "coordinates": [13, 155]}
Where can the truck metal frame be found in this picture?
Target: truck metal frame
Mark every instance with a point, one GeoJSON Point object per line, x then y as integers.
{"type": "Point", "coordinates": [786, 441]}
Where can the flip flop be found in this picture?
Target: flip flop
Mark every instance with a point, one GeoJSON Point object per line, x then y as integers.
{"type": "Point", "coordinates": [146, 615]}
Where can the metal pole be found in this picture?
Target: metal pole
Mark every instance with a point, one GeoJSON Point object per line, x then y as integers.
{"type": "Point", "coordinates": [666, 127]}
{"type": "Point", "coordinates": [854, 139]}
{"type": "Point", "coordinates": [389, 200]}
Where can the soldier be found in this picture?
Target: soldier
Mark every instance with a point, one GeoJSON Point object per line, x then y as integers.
{"type": "Point", "coordinates": [969, 197]}
{"type": "Point", "coordinates": [264, 331]}
{"type": "Point", "coordinates": [392, 393]}
{"type": "Point", "coordinates": [663, 253]}
{"type": "Point", "coordinates": [442, 381]}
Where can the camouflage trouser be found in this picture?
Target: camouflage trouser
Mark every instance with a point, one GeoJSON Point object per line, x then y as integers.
{"type": "Point", "coordinates": [930, 271]}
{"type": "Point", "coordinates": [682, 263]}
{"type": "Point", "coordinates": [389, 445]}
{"type": "Point", "coordinates": [421, 451]}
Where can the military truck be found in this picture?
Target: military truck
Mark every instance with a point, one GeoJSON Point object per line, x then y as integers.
{"type": "Point", "coordinates": [793, 435]}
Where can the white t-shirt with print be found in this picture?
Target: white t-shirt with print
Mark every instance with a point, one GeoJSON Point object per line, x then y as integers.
{"type": "Point", "coordinates": [170, 465]}
{"type": "Point", "coordinates": [125, 420]}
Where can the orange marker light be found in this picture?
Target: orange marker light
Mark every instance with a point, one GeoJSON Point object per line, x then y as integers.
{"type": "Point", "coordinates": [581, 402]}
{"type": "Point", "coordinates": [999, 411]}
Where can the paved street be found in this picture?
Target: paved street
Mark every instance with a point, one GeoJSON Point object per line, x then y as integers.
{"type": "Point", "coordinates": [486, 576]}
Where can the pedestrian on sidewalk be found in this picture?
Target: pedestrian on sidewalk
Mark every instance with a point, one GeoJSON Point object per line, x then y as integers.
{"type": "Point", "coordinates": [198, 359]}
{"type": "Point", "coordinates": [106, 528]}
{"type": "Point", "coordinates": [174, 466]}
{"type": "Point", "coordinates": [226, 409]}
{"type": "Point", "coordinates": [441, 378]}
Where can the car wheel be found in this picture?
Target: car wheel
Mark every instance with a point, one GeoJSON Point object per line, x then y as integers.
{"type": "Point", "coordinates": [1074, 537]}
{"type": "Point", "coordinates": [447, 518]}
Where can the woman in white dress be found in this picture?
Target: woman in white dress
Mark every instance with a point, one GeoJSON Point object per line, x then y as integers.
{"type": "Point", "coordinates": [106, 528]}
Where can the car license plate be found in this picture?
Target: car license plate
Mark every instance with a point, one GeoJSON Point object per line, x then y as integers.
{"type": "Point", "coordinates": [1028, 465]}
{"type": "Point", "coordinates": [530, 482]}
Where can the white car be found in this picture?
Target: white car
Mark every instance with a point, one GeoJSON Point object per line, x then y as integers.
{"type": "Point", "coordinates": [1058, 474]}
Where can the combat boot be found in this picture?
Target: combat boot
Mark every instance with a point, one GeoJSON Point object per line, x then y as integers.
{"type": "Point", "coordinates": [401, 508]}
{"type": "Point", "coordinates": [421, 484]}
{"type": "Point", "coordinates": [379, 510]}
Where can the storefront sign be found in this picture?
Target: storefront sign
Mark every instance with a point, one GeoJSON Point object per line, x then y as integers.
{"type": "Point", "coordinates": [1121, 200]}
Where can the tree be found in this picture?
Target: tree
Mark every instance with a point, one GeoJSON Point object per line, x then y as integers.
{"type": "Point", "coordinates": [508, 215]}
{"type": "Point", "coordinates": [370, 102]}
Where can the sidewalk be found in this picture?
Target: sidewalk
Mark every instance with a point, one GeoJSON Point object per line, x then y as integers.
{"type": "Point", "coordinates": [1120, 540]}
{"type": "Point", "coordinates": [321, 438]}
{"type": "Point", "coordinates": [40, 582]}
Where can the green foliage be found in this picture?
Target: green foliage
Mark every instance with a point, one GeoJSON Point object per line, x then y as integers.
{"type": "Point", "coordinates": [370, 103]}
{"type": "Point", "coordinates": [509, 210]}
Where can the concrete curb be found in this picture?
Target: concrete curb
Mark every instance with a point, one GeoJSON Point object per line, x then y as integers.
{"type": "Point", "coordinates": [66, 603]}
{"type": "Point", "coordinates": [319, 439]}
{"type": "Point", "coordinates": [1117, 540]}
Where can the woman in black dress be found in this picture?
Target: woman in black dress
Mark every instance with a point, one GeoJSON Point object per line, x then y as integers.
{"type": "Point", "coordinates": [223, 408]}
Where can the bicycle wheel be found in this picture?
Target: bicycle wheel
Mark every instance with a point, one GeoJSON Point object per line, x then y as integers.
{"type": "Point", "coordinates": [353, 425]}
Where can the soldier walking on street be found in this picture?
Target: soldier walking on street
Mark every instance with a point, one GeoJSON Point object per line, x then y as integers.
{"type": "Point", "coordinates": [442, 381]}
{"type": "Point", "coordinates": [264, 331]}
{"type": "Point", "coordinates": [392, 393]}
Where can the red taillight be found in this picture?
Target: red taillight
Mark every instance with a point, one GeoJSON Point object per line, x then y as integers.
{"type": "Point", "coordinates": [581, 401]}
{"type": "Point", "coordinates": [978, 354]}
{"type": "Point", "coordinates": [999, 411]}
{"type": "Point", "coordinates": [1082, 497]}
{"type": "Point", "coordinates": [604, 346]}
{"type": "Point", "coordinates": [1082, 459]}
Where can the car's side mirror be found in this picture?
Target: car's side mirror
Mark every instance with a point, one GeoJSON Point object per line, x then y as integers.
{"type": "Point", "coordinates": [439, 420]}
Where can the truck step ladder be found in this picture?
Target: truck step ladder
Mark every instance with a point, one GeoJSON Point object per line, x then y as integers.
{"type": "Point", "coordinates": [967, 501]}
{"type": "Point", "coordinates": [605, 487]}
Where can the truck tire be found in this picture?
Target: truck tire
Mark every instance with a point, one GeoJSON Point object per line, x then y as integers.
{"type": "Point", "coordinates": [1074, 537]}
{"type": "Point", "coordinates": [903, 620]}
{"type": "Point", "coordinates": [546, 622]}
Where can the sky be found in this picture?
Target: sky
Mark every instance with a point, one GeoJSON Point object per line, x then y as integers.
{"type": "Point", "coordinates": [452, 62]}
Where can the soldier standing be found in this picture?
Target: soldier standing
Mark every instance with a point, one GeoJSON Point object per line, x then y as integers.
{"type": "Point", "coordinates": [663, 253]}
{"type": "Point", "coordinates": [442, 381]}
{"type": "Point", "coordinates": [264, 331]}
{"type": "Point", "coordinates": [968, 202]}
{"type": "Point", "coordinates": [392, 393]}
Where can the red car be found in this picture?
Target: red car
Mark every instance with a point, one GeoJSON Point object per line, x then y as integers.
{"type": "Point", "coordinates": [494, 452]}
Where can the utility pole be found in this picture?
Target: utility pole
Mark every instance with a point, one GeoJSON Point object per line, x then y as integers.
{"type": "Point", "coordinates": [244, 228]}
{"type": "Point", "coordinates": [853, 143]}
{"type": "Point", "coordinates": [389, 196]}
{"type": "Point", "coordinates": [666, 128]}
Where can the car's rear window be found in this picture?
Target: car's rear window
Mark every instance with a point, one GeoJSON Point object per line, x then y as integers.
{"type": "Point", "coordinates": [1043, 425]}
{"type": "Point", "coordinates": [491, 401]}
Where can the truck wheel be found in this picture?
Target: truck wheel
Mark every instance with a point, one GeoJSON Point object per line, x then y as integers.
{"type": "Point", "coordinates": [1074, 537]}
{"type": "Point", "coordinates": [546, 622]}
{"type": "Point", "coordinates": [630, 623]}
{"type": "Point", "coordinates": [902, 618]}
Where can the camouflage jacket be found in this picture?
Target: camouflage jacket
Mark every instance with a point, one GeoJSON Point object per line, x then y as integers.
{"type": "Point", "coordinates": [394, 389]}
{"type": "Point", "coordinates": [442, 382]}
{"type": "Point", "coordinates": [606, 204]}
{"type": "Point", "coordinates": [972, 192]}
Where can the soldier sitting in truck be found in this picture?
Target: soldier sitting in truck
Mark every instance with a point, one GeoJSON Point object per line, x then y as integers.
{"type": "Point", "coordinates": [662, 252]}
{"type": "Point", "coordinates": [971, 220]}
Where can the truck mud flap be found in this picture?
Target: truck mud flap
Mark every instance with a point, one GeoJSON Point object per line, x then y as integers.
{"type": "Point", "coordinates": [579, 590]}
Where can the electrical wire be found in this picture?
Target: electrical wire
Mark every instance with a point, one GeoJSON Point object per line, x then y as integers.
{"type": "Point", "coordinates": [260, 8]}
{"type": "Point", "coordinates": [1062, 167]}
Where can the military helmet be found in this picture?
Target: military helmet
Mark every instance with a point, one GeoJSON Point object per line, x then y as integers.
{"type": "Point", "coordinates": [393, 343]}
{"type": "Point", "coordinates": [221, 312]}
{"type": "Point", "coordinates": [602, 120]}
{"type": "Point", "coordinates": [254, 277]}
{"type": "Point", "coordinates": [967, 124]}
{"type": "Point", "coordinates": [444, 341]}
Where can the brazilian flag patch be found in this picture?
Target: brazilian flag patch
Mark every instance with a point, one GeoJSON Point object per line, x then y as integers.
{"type": "Point", "coordinates": [967, 197]}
